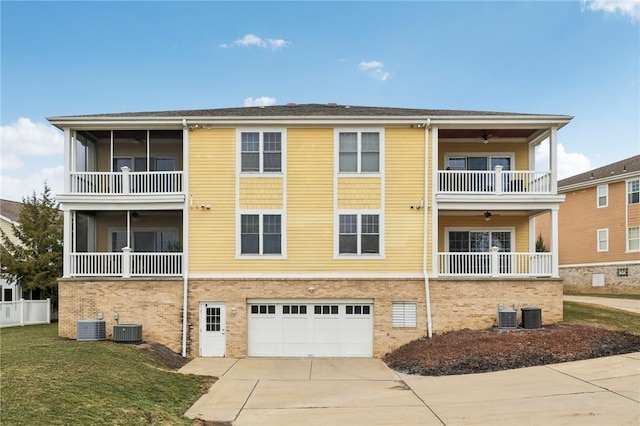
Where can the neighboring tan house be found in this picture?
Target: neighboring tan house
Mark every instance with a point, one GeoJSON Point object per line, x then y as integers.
{"type": "Point", "coordinates": [9, 215]}
{"type": "Point", "coordinates": [599, 225]}
{"type": "Point", "coordinates": [305, 230]}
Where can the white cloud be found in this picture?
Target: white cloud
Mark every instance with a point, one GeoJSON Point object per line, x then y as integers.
{"type": "Point", "coordinates": [24, 137]}
{"type": "Point", "coordinates": [28, 149]}
{"type": "Point", "coordinates": [370, 65]}
{"type": "Point", "coordinates": [16, 188]}
{"type": "Point", "coordinates": [569, 163]}
{"type": "Point", "coordinates": [630, 8]}
{"type": "Point", "coordinates": [261, 101]}
{"type": "Point", "coordinates": [375, 70]}
{"type": "Point", "coordinates": [251, 40]}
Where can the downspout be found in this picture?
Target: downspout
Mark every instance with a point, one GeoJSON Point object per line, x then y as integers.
{"type": "Point", "coordinates": [427, 290]}
{"type": "Point", "coordinates": [185, 233]}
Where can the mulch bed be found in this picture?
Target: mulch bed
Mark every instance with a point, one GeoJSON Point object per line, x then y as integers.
{"type": "Point", "coordinates": [470, 351]}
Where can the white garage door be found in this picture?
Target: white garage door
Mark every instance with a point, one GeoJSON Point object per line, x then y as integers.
{"type": "Point", "coordinates": [320, 329]}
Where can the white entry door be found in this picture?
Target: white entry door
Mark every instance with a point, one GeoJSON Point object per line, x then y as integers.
{"type": "Point", "coordinates": [212, 329]}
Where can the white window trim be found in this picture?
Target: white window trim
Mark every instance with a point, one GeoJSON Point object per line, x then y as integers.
{"type": "Point", "coordinates": [261, 213]}
{"type": "Point", "coordinates": [134, 229]}
{"type": "Point", "coordinates": [606, 240]}
{"type": "Point", "coordinates": [359, 130]}
{"type": "Point", "coordinates": [629, 240]}
{"type": "Point", "coordinates": [488, 155]}
{"type": "Point", "coordinates": [605, 195]}
{"type": "Point", "coordinates": [510, 229]}
{"type": "Point", "coordinates": [627, 190]}
{"type": "Point", "coordinates": [336, 232]}
{"type": "Point", "coordinates": [262, 130]}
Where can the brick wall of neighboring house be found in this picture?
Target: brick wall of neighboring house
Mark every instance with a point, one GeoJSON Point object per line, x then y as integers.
{"type": "Point", "coordinates": [154, 303]}
{"type": "Point", "coordinates": [579, 279]}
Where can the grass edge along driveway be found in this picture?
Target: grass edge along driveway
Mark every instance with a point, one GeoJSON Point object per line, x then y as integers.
{"type": "Point", "coordinates": [48, 380]}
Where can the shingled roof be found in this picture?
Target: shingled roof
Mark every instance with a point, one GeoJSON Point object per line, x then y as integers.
{"type": "Point", "coordinates": [308, 110]}
{"type": "Point", "coordinates": [622, 167]}
{"type": "Point", "coordinates": [10, 209]}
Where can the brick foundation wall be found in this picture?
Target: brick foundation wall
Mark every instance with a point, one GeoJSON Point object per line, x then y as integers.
{"type": "Point", "coordinates": [473, 304]}
{"type": "Point", "coordinates": [578, 279]}
{"type": "Point", "coordinates": [154, 303]}
{"type": "Point", "coordinates": [236, 292]}
{"type": "Point", "coordinates": [157, 305]}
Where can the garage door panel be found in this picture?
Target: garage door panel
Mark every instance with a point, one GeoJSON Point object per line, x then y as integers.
{"type": "Point", "coordinates": [326, 330]}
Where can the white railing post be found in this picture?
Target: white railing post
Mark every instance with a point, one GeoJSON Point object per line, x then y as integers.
{"type": "Point", "coordinates": [48, 311]}
{"type": "Point", "coordinates": [495, 270]}
{"type": "Point", "coordinates": [497, 184]}
{"type": "Point", "coordinates": [126, 262]}
{"type": "Point", "coordinates": [126, 187]}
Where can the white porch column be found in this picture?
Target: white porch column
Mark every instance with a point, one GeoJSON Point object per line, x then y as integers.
{"type": "Point", "coordinates": [66, 244]}
{"type": "Point", "coordinates": [553, 158]}
{"type": "Point", "coordinates": [126, 262]}
{"type": "Point", "coordinates": [126, 179]}
{"type": "Point", "coordinates": [68, 166]}
{"type": "Point", "coordinates": [555, 270]}
{"type": "Point", "coordinates": [495, 269]}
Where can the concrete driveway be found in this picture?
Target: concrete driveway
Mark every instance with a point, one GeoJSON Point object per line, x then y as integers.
{"type": "Point", "coordinates": [254, 391]}
{"type": "Point", "coordinates": [630, 305]}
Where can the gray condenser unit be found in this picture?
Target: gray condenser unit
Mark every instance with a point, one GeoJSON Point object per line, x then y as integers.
{"type": "Point", "coordinates": [127, 333]}
{"type": "Point", "coordinates": [91, 330]}
{"type": "Point", "coordinates": [507, 319]}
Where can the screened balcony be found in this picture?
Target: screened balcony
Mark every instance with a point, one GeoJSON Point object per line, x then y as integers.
{"type": "Point", "coordinates": [126, 244]}
{"type": "Point", "coordinates": [126, 162]}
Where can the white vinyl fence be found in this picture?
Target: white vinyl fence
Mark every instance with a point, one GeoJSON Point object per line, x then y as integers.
{"type": "Point", "coordinates": [25, 312]}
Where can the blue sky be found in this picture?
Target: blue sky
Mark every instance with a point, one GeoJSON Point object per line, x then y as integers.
{"type": "Point", "coordinates": [66, 58]}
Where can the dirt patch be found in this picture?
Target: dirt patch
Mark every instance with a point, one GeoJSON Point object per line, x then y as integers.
{"type": "Point", "coordinates": [467, 351]}
{"type": "Point", "coordinates": [165, 356]}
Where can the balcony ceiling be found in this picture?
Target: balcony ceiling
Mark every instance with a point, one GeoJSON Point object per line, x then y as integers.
{"type": "Point", "coordinates": [479, 133]}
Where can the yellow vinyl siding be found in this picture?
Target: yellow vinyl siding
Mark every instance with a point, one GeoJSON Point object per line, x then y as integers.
{"type": "Point", "coordinates": [212, 181]}
{"type": "Point", "coordinates": [499, 220]}
{"type": "Point", "coordinates": [359, 193]}
{"type": "Point", "coordinates": [261, 193]}
{"type": "Point", "coordinates": [520, 150]}
{"type": "Point", "coordinates": [404, 227]}
{"type": "Point", "coordinates": [308, 200]}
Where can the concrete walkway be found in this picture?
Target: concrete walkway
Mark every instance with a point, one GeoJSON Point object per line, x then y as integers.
{"type": "Point", "coordinates": [630, 305]}
{"type": "Point", "coordinates": [321, 391]}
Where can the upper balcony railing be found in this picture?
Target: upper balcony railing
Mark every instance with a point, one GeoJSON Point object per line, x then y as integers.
{"type": "Point", "coordinates": [126, 182]}
{"type": "Point", "coordinates": [496, 181]}
{"type": "Point", "coordinates": [495, 264]}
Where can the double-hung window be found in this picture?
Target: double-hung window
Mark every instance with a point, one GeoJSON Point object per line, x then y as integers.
{"type": "Point", "coordinates": [359, 234]}
{"type": "Point", "coordinates": [603, 240]}
{"type": "Point", "coordinates": [603, 195]}
{"type": "Point", "coordinates": [633, 191]}
{"type": "Point", "coordinates": [633, 238]}
{"type": "Point", "coordinates": [260, 234]}
{"type": "Point", "coordinates": [359, 151]}
{"type": "Point", "coordinates": [261, 152]}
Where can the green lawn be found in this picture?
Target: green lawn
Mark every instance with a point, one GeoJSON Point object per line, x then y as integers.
{"type": "Point", "coordinates": [611, 296]}
{"type": "Point", "coordinates": [597, 316]}
{"type": "Point", "coordinates": [49, 381]}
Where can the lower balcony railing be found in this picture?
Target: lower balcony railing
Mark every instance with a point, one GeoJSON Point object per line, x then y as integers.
{"type": "Point", "coordinates": [126, 264]}
{"type": "Point", "coordinates": [494, 182]}
{"type": "Point", "coordinates": [495, 264]}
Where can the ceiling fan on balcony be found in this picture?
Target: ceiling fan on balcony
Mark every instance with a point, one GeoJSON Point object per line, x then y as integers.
{"type": "Point", "coordinates": [485, 137]}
